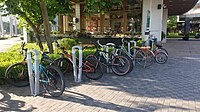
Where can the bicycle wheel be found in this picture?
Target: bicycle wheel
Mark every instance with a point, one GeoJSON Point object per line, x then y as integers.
{"type": "Point", "coordinates": [144, 58]}
{"type": "Point", "coordinates": [17, 74]}
{"type": "Point", "coordinates": [120, 65]}
{"type": "Point", "coordinates": [160, 49]}
{"type": "Point", "coordinates": [123, 53]}
{"type": "Point", "coordinates": [64, 64]}
{"type": "Point", "coordinates": [92, 68]}
{"type": "Point", "coordinates": [161, 57]}
{"type": "Point", "coordinates": [53, 81]}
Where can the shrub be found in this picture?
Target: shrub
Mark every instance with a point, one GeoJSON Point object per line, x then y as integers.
{"type": "Point", "coordinates": [140, 42]}
{"type": "Point", "coordinates": [12, 55]}
{"type": "Point", "coordinates": [68, 43]}
{"type": "Point", "coordinates": [174, 35]}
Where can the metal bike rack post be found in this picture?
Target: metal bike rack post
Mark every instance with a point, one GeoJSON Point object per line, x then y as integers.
{"type": "Point", "coordinates": [77, 76]}
{"type": "Point", "coordinates": [34, 80]}
{"type": "Point", "coordinates": [107, 55]}
{"type": "Point", "coordinates": [129, 48]}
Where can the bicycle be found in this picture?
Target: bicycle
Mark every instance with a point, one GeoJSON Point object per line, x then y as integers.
{"type": "Point", "coordinates": [120, 65]}
{"type": "Point", "coordinates": [141, 55]}
{"type": "Point", "coordinates": [155, 47]}
{"type": "Point", "coordinates": [161, 54]}
{"type": "Point", "coordinates": [89, 69]}
{"type": "Point", "coordinates": [51, 77]}
{"type": "Point", "coordinates": [116, 50]}
{"type": "Point", "coordinates": [17, 74]}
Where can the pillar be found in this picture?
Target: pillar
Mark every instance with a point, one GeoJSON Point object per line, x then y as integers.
{"type": "Point", "coordinates": [56, 25]}
{"type": "Point", "coordinates": [145, 16]}
{"type": "Point", "coordinates": [60, 23]}
{"type": "Point", "coordinates": [11, 26]}
{"type": "Point", "coordinates": [187, 26]}
{"type": "Point", "coordinates": [156, 18]}
{"type": "Point", "coordinates": [1, 26]}
{"type": "Point", "coordinates": [78, 16]}
{"type": "Point", "coordinates": [15, 25]}
{"type": "Point", "coordinates": [154, 9]}
{"type": "Point", "coordinates": [164, 24]}
{"type": "Point", "coordinates": [102, 21]}
{"type": "Point", "coordinates": [124, 16]}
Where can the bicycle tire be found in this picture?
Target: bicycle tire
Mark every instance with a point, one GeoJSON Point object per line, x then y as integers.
{"type": "Point", "coordinates": [161, 57]}
{"type": "Point", "coordinates": [161, 49]}
{"type": "Point", "coordinates": [144, 59]}
{"type": "Point", "coordinates": [64, 64]}
{"type": "Point", "coordinates": [17, 74]}
{"type": "Point", "coordinates": [122, 53]}
{"type": "Point", "coordinates": [56, 86]}
{"type": "Point", "coordinates": [120, 68]}
{"type": "Point", "coordinates": [92, 68]}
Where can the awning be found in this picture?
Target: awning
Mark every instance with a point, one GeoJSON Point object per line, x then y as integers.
{"type": "Point", "coordinates": [178, 7]}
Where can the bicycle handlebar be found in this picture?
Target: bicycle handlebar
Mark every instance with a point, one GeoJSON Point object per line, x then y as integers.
{"type": "Point", "coordinates": [22, 48]}
{"type": "Point", "coordinates": [61, 48]}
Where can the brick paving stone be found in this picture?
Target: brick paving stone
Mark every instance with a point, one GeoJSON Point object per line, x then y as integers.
{"type": "Point", "coordinates": [170, 87]}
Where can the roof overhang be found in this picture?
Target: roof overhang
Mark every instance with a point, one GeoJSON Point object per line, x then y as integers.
{"type": "Point", "coordinates": [178, 7]}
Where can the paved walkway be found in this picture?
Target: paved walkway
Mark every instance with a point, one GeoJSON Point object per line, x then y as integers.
{"type": "Point", "coordinates": [171, 87]}
{"type": "Point", "coordinates": [7, 43]}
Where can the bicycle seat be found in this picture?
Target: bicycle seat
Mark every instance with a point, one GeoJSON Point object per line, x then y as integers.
{"type": "Point", "coordinates": [110, 44]}
{"type": "Point", "coordinates": [45, 52]}
{"type": "Point", "coordinates": [158, 45]}
{"type": "Point", "coordinates": [145, 47]}
{"type": "Point", "coordinates": [45, 57]}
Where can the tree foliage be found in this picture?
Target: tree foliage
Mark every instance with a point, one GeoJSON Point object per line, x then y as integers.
{"type": "Point", "coordinates": [99, 6]}
{"type": "Point", "coordinates": [30, 11]}
{"type": "Point", "coordinates": [172, 22]}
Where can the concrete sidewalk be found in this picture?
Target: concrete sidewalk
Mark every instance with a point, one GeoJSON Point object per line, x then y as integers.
{"type": "Point", "coordinates": [170, 87]}
{"type": "Point", "coordinates": [7, 43]}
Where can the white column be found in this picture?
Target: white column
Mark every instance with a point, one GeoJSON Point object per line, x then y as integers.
{"type": "Point", "coordinates": [1, 26]}
{"type": "Point", "coordinates": [156, 18]}
{"type": "Point", "coordinates": [146, 9]}
{"type": "Point", "coordinates": [78, 16]}
{"type": "Point", "coordinates": [164, 24]}
{"type": "Point", "coordinates": [11, 26]}
{"type": "Point", "coordinates": [25, 35]}
{"type": "Point", "coordinates": [56, 25]}
{"type": "Point", "coordinates": [15, 24]}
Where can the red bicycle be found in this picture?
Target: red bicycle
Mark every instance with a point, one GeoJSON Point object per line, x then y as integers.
{"type": "Point", "coordinates": [89, 68]}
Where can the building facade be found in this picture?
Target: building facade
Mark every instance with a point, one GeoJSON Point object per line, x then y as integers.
{"type": "Point", "coordinates": [132, 17]}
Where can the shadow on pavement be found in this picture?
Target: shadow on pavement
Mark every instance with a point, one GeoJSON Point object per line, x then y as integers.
{"type": "Point", "coordinates": [7, 104]}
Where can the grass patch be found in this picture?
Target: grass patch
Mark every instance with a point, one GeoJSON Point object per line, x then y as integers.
{"type": "Point", "coordinates": [12, 55]}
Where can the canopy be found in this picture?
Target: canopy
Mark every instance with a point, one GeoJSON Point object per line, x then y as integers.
{"type": "Point", "coordinates": [178, 7]}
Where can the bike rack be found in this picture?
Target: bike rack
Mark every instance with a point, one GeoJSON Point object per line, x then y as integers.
{"type": "Point", "coordinates": [34, 80]}
{"type": "Point", "coordinates": [107, 57]}
{"type": "Point", "coordinates": [129, 48]}
{"type": "Point", "coordinates": [77, 77]}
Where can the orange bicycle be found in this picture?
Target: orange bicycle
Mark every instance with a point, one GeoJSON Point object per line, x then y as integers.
{"type": "Point", "coordinates": [89, 69]}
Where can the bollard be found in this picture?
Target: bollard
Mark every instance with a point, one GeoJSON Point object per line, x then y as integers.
{"type": "Point", "coordinates": [77, 76]}
{"type": "Point", "coordinates": [107, 55]}
{"type": "Point", "coordinates": [34, 81]}
{"type": "Point", "coordinates": [129, 48]}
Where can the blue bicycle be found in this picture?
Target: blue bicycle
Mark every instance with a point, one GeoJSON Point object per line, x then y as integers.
{"type": "Point", "coordinates": [51, 78]}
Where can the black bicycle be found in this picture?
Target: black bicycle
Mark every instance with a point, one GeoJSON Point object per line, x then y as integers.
{"type": "Point", "coordinates": [119, 64]}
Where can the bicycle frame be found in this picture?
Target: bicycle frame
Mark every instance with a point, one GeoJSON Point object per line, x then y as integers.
{"type": "Point", "coordinates": [69, 56]}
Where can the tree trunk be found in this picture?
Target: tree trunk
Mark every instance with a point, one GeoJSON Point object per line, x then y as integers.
{"type": "Point", "coordinates": [39, 40]}
{"type": "Point", "coordinates": [46, 26]}
{"type": "Point", "coordinates": [36, 33]}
